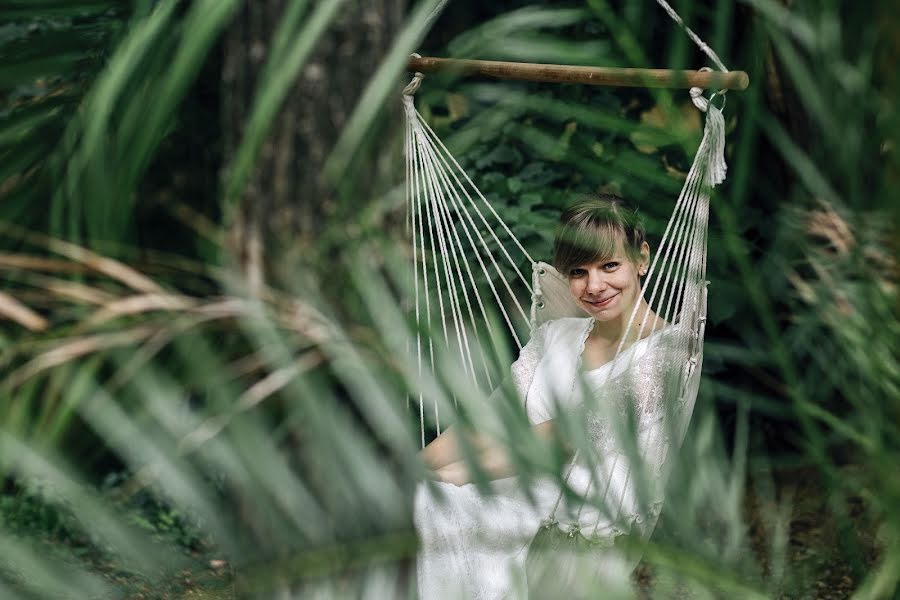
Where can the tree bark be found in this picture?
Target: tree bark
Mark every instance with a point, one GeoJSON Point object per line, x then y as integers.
{"type": "Point", "coordinates": [285, 199]}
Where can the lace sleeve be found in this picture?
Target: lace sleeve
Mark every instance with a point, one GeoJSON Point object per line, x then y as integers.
{"type": "Point", "coordinates": [523, 369]}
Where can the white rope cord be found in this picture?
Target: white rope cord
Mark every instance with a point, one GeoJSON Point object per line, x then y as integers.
{"type": "Point", "coordinates": [686, 286]}
{"type": "Point", "coordinates": [432, 152]}
{"type": "Point", "coordinates": [493, 212]}
{"type": "Point", "coordinates": [433, 224]}
{"type": "Point", "coordinates": [423, 318]}
{"type": "Point", "coordinates": [424, 200]}
{"type": "Point", "coordinates": [434, 14]}
{"type": "Point", "coordinates": [436, 226]}
{"type": "Point", "coordinates": [676, 259]}
{"type": "Point", "coordinates": [444, 253]}
{"type": "Point", "coordinates": [469, 226]}
{"type": "Point", "coordinates": [692, 253]}
{"type": "Point", "coordinates": [707, 153]}
{"type": "Point", "coordinates": [662, 258]}
{"type": "Point", "coordinates": [671, 260]}
{"type": "Point", "coordinates": [416, 195]}
{"type": "Point", "coordinates": [463, 210]}
{"type": "Point", "coordinates": [457, 201]}
{"type": "Point", "coordinates": [445, 242]}
{"type": "Point", "coordinates": [694, 37]}
{"type": "Point", "coordinates": [705, 178]}
{"type": "Point", "coordinates": [440, 177]}
{"type": "Point", "coordinates": [473, 287]}
{"type": "Point", "coordinates": [431, 174]}
{"type": "Point", "coordinates": [457, 168]}
{"type": "Point", "coordinates": [425, 143]}
{"type": "Point", "coordinates": [453, 167]}
{"type": "Point", "coordinates": [457, 251]}
{"type": "Point", "coordinates": [411, 220]}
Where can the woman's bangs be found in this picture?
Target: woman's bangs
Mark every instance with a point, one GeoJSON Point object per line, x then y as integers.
{"type": "Point", "coordinates": [590, 243]}
{"type": "Point", "coordinates": [603, 241]}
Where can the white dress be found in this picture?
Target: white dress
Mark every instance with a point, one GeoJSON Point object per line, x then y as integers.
{"type": "Point", "coordinates": [474, 546]}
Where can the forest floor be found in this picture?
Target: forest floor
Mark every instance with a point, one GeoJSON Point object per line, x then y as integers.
{"type": "Point", "coordinates": [814, 552]}
{"type": "Point", "coordinates": [814, 565]}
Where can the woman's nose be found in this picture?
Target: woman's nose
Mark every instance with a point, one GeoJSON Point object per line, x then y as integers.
{"type": "Point", "coordinates": [595, 283]}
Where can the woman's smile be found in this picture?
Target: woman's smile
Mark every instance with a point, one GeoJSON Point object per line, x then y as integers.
{"type": "Point", "coordinates": [601, 302]}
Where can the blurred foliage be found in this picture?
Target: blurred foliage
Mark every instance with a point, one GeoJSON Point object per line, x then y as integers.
{"type": "Point", "coordinates": [271, 431]}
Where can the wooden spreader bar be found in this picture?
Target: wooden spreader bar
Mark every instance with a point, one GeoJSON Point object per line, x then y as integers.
{"type": "Point", "coordinates": [608, 76]}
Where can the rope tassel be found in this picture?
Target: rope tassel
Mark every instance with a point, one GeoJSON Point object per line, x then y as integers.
{"type": "Point", "coordinates": [710, 157]}
{"type": "Point", "coordinates": [714, 137]}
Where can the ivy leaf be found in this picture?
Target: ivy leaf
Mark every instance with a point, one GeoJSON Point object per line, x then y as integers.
{"type": "Point", "coordinates": [526, 201]}
{"type": "Point", "coordinates": [502, 154]}
{"type": "Point", "coordinates": [492, 183]}
{"type": "Point", "coordinates": [539, 173]}
{"type": "Point", "coordinates": [661, 127]}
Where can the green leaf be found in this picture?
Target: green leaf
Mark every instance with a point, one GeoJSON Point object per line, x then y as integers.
{"type": "Point", "coordinates": [40, 9]}
{"type": "Point", "coordinates": [526, 201]}
{"type": "Point", "coordinates": [503, 154]}
{"type": "Point", "coordinates": [19, 126]}
{"type": "Point", "coordinates": [13, 75]}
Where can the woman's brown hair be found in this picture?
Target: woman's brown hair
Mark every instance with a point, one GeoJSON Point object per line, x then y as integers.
{"type": "Point", "coordinates": [593, 229]}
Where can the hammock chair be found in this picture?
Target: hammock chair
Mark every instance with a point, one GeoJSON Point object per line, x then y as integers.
{"type": "Point", "coordinates": [456, 235]}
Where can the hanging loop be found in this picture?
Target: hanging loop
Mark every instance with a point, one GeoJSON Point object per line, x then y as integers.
{"type": "Point", "coordinates": [720, 94]}
{"type": "Point", "coordinates": [413, 86]}
{"type": "Point", "coordinates": [701, 101]}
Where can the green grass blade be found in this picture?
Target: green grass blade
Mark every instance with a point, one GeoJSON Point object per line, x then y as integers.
{"type": "Point", "coordinates": [47, 576]}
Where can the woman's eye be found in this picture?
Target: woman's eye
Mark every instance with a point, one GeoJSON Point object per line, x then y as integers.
{"type": "Point", "coordinates": [576, 272]}
{"type": "Point", "coordinates": [610, 265]}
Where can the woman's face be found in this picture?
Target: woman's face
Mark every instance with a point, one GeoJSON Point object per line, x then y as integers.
{"type": "Point", "coordinates": [607, 288]}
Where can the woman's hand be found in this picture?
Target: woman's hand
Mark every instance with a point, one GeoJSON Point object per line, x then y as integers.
{"type": "Point", "coordinates": [455, 473]}
{"type": "Point", "coordinates": [443, 457]}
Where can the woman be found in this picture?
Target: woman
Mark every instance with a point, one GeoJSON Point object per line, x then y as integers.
{"type": "Point", "coordinates": [475, 546]}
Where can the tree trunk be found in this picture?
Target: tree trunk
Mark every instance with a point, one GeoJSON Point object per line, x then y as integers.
{"type": "Point", "coordinates": [285, 200]}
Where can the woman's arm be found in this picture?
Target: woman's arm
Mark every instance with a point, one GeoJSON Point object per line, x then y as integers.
{"type": "Point", "coordinates": [493, 460]}
{"type": "Point", "coordinates": [445, 449]}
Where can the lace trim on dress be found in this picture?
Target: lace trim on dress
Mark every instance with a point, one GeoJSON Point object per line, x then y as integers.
{"type": "Point", "coordinates": [523, 369]}
{"type": "Point", "coordinates": [611, 533]}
